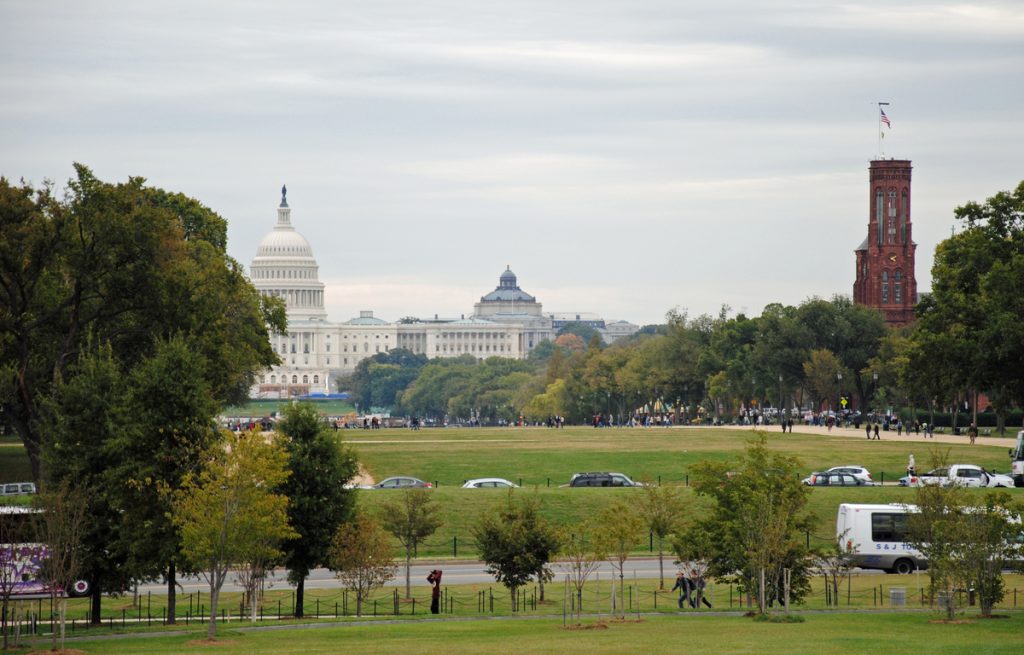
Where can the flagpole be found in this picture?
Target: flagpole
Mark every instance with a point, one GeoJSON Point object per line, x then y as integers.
{"type": "Point", "coordinates": [878, 118]}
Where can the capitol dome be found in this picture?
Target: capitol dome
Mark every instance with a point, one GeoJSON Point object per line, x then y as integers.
{"type": "Point", "coordinates": [284, 266]}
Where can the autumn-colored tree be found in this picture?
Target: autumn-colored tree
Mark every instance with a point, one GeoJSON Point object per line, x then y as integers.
{"type": "Point", "coordinates": [361, 557]}
{"type": "Point", "coordinates": [410, 519]}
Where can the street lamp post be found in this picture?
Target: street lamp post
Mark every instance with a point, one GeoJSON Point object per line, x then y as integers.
{"type": "Point", "coordinates": [874, 387]}
{"type": "Point", "coordinates": [839, 395]}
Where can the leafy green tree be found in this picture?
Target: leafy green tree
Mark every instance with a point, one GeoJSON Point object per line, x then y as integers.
{"type": "Point", "coordinates": [822, 373]}
{"type": "Point", "coordinates": [320, 466]}
{"type": "Point", "coordinates": [410, 519]}
{"type": "Point", "coordinates": [757, 521]}
{"type": "Point", "coordinates": [229, 513]}
{"type": "Point", "coordinates": [516, 543]}
{"type": "Point", "coordinates": [971, 321]}
{"type": "Point", "coordinates": [86, 413]}
{"type": "Point", "coordinates": [361, 558]}
{"type": "Point", "coordinates": [123, 265]}
{"type": "Point", "coordinates": [378, 380]}
{"type": "Point", "coordinates": [619, 533]}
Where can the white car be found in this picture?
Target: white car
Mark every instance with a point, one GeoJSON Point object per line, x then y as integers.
{"type": "Point", "coordinates": [490, 483]}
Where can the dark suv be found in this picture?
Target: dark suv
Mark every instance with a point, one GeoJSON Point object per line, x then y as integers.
{"type": "Point", "coordinates": [602, 480]}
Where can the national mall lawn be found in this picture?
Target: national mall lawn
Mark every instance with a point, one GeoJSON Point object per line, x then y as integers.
{"type": "Point", "coordinates": [543, 459]}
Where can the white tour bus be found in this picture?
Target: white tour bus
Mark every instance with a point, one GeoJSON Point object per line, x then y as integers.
{"type": "Point", "coordinates": [876, 535]}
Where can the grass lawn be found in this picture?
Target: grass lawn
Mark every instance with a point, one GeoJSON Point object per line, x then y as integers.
{"type": "Point", "coordinates": [833, 633]}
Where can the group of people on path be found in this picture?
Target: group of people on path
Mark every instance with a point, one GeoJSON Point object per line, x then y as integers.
{"type": "Point", "coordinates": [691, 588]}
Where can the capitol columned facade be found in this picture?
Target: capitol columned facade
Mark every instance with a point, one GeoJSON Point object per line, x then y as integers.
{"type": "Point", "coordinates": [507, 322]}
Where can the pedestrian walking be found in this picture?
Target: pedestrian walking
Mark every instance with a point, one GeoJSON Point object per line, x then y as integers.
{"type": "Point", "coordinates": [876, 433]}
{"type": "Point", "coordinates": [867, 430]}
{"type": "Point", "coordinates": [683, 585]}
{"type": "Point", "coordinates": [972, 433]}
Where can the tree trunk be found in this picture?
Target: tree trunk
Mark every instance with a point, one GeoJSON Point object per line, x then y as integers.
{"type": "Point", "coordinates": [661, 564]}
{"type": "Point", "coordinates": [515, 596]}
{"type": "Point", "coordinates": [408, 570]}
{"type": "Point", "coordinates": [300, 593]}
{"type": "Point", "coordinates": [95, 599]}
{"type": "Point", "coordinates": [211, 629]}
{"type": "Point", "coordinates": [172, 599]}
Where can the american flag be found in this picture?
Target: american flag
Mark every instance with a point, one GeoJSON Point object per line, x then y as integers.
{"type": "Point", "coordinates": [884, 118]}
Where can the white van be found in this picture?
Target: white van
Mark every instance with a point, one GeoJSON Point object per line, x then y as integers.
{"type": "Point", "coordinates": [876, 536]}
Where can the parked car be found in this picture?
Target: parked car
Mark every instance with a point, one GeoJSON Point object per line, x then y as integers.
{"type": "Point", "coordinates": [835, 480]}
{"type": "Point", "coordinates": [400, 482]}
{"type": "Point", "coordinates": [855, 470]}
{"type": "Point", "coordinates": [967, 475]}
{"type": "Point", "coordinates": [489, 483]}
{"type": "Point", "coordinates": [17, 488]}
{"type": "Point", "coordinates": [602, 480]}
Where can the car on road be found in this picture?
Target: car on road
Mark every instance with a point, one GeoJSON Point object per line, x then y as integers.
{"type": "Point", "coordinates": [490, 483]}
{"type": "Point", "coordinates": [400, 482]}
{"type": "Point", "coordinates": [609, 479]}
{"type": "Point", "coordinates": [825, 479]}
{"type": "Point", "coordinates": [855, 470]}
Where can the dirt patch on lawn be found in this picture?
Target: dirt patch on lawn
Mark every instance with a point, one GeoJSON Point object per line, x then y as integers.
{"type": "Point", "coordinates": [600, 625]}
{"type": "Point", "coordinates": [363, 477]}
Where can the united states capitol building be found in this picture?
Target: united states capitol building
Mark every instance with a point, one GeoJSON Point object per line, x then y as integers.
{"type": "Point", "coordinates": [507, 322]}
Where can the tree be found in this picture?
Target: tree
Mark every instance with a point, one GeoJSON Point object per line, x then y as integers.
{"type": "Point", "coordinates": [993, 540]}
{"type": "Point", "coordinates": [585, 332]}
{"type": "Point", "coordinates": [580, 560]}
{"type": "Point", "coordinates": [662, 510]}
{"type": "Point", "coordinates": [757, 522]}
{"type": "Point", "coordinates": [619, 534]}
{"type": "Point", "coordinates": [360, 557]}
{"type": "Point", "coordinates": [822, 373]}
{"type": "Point", "coordinates": [967, 545]}
{"type": "Point", "coordinates": [319, 503]}
{"type": "Point", "coordinates": [169, 402]}
{"type": "Point", "coordinates": [86, 413]}
{"type": "Point", "coordinates": [378, 380]}
{"type": "Point", "coordinates": [410, 520]}
{"type": "Point", "coordinates": [60, 525]}
{"type": "Point", "coordinates": [229, 513]}
{"type": "Point", "coordinates": [121, 266]}
{"type": "Point", "coordinates": [971, 321]}
{"type": "Point", "coordinates": [515, 542]}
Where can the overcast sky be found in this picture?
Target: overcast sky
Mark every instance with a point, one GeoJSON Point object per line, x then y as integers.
{"type": "Point", "coordinates": [623, 156]}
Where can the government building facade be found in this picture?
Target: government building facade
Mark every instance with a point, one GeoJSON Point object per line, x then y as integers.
{"type": "Point", "coordinates": [507, 322]}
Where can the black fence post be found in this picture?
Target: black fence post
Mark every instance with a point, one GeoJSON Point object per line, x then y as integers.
{"type": "Point", "coordinates": [650, 539]}
{"type": "Point", "coordinates": [455, 546]}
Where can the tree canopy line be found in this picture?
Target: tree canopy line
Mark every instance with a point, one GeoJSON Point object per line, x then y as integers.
{"type": "Point", "coordinates": [125, 327]}
{"type": "Point", "coordinates": [968, 340]}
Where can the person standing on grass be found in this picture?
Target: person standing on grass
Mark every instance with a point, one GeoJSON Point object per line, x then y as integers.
{"type": "Point", "coordinates": [435, 593]}
{"type": "Point", "coordinates": [867, 429]}
{"type": "Point", "coordinates": [876, 433]}
{"type": "Point", "coordinates": [972, 433]}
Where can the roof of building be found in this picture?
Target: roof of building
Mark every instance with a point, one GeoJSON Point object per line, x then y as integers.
{"type": "Point", "coordinates": [508, 290]}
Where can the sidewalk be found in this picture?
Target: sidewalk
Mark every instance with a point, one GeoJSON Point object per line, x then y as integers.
{"type": "Point", "coordinates": [1007, 441]}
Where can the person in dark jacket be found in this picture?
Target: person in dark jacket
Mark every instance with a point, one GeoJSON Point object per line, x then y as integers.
{"type": "Point", "coordinates": [683, 585]}
{"type": "Point", "coordinates": [435, 594]}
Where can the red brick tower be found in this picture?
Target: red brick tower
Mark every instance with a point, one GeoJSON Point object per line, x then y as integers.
{"type": "Point", "coordinates": [885, 261]}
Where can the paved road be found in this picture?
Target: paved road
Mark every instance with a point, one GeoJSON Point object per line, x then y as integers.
{"type": "Point", "coordinates": [455, 573]}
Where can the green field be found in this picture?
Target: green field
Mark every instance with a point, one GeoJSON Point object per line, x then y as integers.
{"type": "Point", "coordinates": [840, 634]}
{"type": "Point", "coordinates": [541, 457]}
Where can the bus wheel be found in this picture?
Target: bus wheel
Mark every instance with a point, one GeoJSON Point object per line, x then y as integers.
{"type": "Point", "coordinates": [903, 567]}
